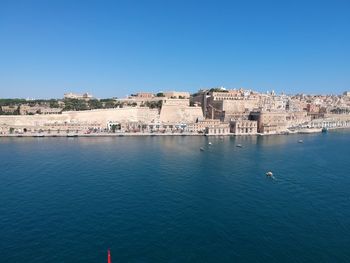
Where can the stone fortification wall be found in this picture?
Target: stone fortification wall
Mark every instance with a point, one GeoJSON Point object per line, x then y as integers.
{"type": "Point", "coordinates": [169, 113]}
{"type": "Point", "coordinates": [176, 114]}
{"type": "Point", "coordinates": [340, 117]}
{"type": "Point", "coordinates": [297, 118]}
{"type": "Point", "coordinates": [239, 106]}
{"type": "Point", "coordinates": [33, 120]}
{"type": "Point", "coordinates": [177, 102]}
{"type": "Point", "coordinates": [120, 115]}
{"type": "Point", "coordinates": [92, 116]}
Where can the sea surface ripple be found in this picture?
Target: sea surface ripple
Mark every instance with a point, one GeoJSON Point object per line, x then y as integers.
{"type": "Point", "coordinates": [161, 199]}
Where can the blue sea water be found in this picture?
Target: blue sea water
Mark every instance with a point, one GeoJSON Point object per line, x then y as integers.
{"type": "Point", "coordinates": [161, 199]}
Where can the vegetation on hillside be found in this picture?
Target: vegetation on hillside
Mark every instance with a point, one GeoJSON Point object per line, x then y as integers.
{"type": "Point", "coordinates": [218, 90]}
{"type": "Point", "coordinates": [153, 104]}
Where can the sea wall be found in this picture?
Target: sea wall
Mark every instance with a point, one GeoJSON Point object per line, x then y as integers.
{"type": "Point", "coordinates": [92, 116]}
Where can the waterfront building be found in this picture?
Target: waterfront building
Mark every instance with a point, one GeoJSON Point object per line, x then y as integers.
{"type": "Point", "coordinates": [244, 127]}
{"type": "Point", "coordinates": [270, 122]}
{"type": "Point", "coordinates": [208, 126]}
{"type": "Point", "coordinates": [200, 125]}
{"type": "Point", "coordinates": [218, 129]}
{"type": "Point", "coordinates": [210, 111]}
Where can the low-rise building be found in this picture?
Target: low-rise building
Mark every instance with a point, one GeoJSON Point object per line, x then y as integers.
{"type": "Point", "coordinates": [209, 127]}
{"type": "Point", "coordinates": [144, 95]}
{"type": "Point", "coordinates": [29, 110]}
{"type": "Point", "coordinates": [200, 125]}
{"type": "Point", "coordinates": [244, 127]}
{"type": "Point", "coordinates": [219, 129]}
{"type": "Point", "coordinates": [37, 109]}
{"type": "Point", "coordinates": [47, 110]}
{"type": "Point", "coordinates": [84, 96]}
{"type": "Point", "coordinates": [176, 95]}
{"type": "Point", "coordinates": [9, 109]}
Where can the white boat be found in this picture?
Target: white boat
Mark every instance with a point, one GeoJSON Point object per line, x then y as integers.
{"type": "Point", "coordinates": [209, 143]}
{"type": "Point", "coordinates": [300, 141]}
{"type": "Point", "coordinates": [239, 145]}
{"type": "Point", "coordinates": [269, 174]}
{"type": "Point", "coordinates": [310, 130]}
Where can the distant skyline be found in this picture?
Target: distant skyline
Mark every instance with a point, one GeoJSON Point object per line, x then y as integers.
{"type": "Point", "coordinates": [115, 48]}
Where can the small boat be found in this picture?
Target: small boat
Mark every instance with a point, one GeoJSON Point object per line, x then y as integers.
{"type": "Point", "coordinates": [325, 130]}
{"type": "Point", "coordinates": [209, 143]}
{"type": "Point", "coordinates": [239, 145]}
{"type": "Point", "coordinates": [269, 174]}
{"type": "Point", "coordinates": [300, 141]}
{"type": "Point", "coordinates": [201, 149]}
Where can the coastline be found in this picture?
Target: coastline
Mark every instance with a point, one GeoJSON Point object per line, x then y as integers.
{"type": "Point", "coordinates": [128, 134]}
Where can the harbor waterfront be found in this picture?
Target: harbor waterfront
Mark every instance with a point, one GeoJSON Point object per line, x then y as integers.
{"type": "Point", "coordinates": [162, 199]}
{"type": "Point", "coordinates": [174, 131]}
{"type": "Point", "coordinates": [215, 111]}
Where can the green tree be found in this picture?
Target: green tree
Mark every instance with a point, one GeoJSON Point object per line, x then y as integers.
{"type": "Point", "coordinates": [95, 104]}
{"type": "Point", "coordinates": [218, 90]}
{"type": "Point", "coordinates": [113, 128]}
{"type": "Point", "coordinates": [154, 104]}
{"type": "Point", "coordinates": [53, 103]}
{"type": "Point", "coordinates": [75, 105]}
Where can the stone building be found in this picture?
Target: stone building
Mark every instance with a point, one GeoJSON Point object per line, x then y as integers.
{"type": "Point", "coordinates": [48, 110]}
{"type": "Point", "coordinates": [209, 127]}
{"type": "Point", "coordinates": [37, 109]}
{"type": "Point", "coordinates": [270, 122]}
{"type": "Point", "coordinates": [26, 109]}
{"type": "Point", "coordinates": [176, 95]}
{"type": "Point", "coordinates": [225, 105]}
{"type": "Point", "coordinates": [144, 95]}
{"type": "Point", "coordinates": [244, 127]}
{"type": "Point", "coordinates": [84, 96]}
{"type": "Point", "coordinates": [9, 109]}
{"type": "Point", "coordinates": [218, 129]}
{"type": "Point", "coordinates": [312, 108]}
{"type": "Point", "coordinates": [296, 118]}
{"type": "Point", "coordinates": [201, 125]}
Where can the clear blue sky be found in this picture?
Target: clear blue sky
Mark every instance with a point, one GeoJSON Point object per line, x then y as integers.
{"type": "Point", "coordinates": [114, 48]}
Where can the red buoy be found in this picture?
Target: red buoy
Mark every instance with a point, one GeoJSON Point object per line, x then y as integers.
{"type": "Point", "coordinates": [109, 257]}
